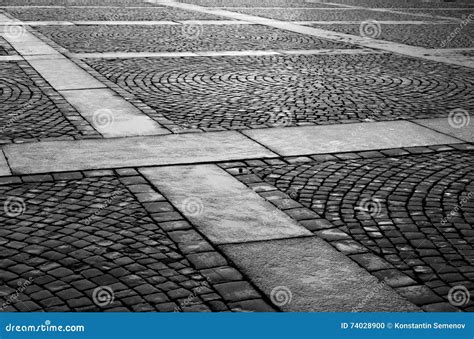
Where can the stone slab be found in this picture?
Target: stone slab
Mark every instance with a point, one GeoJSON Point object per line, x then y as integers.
{"type": "Point", "coordinates": [4, 168]}
{"type": "Point", "coordinates": [58, 156]}
{"type": "Point", "coordinates": [463, 130]}
{"type": "Point", "coordinates": [32, 48]}
{"type": "Point", "coordinates": [110, 115]}
{"type": "Point", "coordinates": [63, 74]}
{"type": "Point", "coordinates": [347, 137]}
{"type": "Point", "coordinates": [223, 208]}
{"type": "Point", "coordinates": [319, 278]}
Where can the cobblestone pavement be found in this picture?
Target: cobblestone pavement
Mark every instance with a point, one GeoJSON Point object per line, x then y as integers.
{"type": "Point", "coordinates": [315, 14]}
{"type": "Point", "coordinates": [238, 92]}
{"type": "Point", "coordinates": [107, 14]}
{"type": "Point", "coordinates": [404, 4]}
{"type": "Point", "coordinates": [109, 241]}
{"type": "Point", "coordinates": [5, 48]}
{"type": "Point", "coordinates": [414, 211]}
{"type": "Point", "coordinates": [32, 110]}
{"type": "Point", "coordinates": [257, 3]}
{"type": "Point", "coordinates": [177, 38]}
{"type": "Point", "coordinates": [101, 3]}
{"type": "Point", "coordinates": [429, 36]}
{"type": "Point", "coordinates": [102, 237]}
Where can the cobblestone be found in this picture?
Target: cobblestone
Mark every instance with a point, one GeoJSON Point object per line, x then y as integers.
{"type": "Point", "coordinates": [78, 238]}
{"type": "Point", "coordinates": [243, 92]}
{"type": "Point", "coordinates": [180, 38]}
{"type": "Point", "coordinates": [109, 14]}
{"type": "Point", "coordinates": [410, 213]}
{"type": "Point", "coordinates": [429, 36]}
{"type": "Point", "coordinates": [33, 110]}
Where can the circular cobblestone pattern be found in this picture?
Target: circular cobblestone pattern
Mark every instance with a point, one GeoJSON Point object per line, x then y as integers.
{"type": "Point", "coordinates": [107, 14]}
{"type": "Point", "coordinates": [100, 3]}
{"type": "Point", "coordinates": [404, 3]}
{"type": "Point", "coordinates": [416, 211]}
{"type": "Point", "coordinates": [239, 92]}
{"type": "Point", "coordinates": [255, 3]}
{"type": "Point", "coordinates": [26, 111]}
{"type": "Point", "coordinates": [315, 14]}
{"type": "Point", "coordinates": [181, 38]}
{"type": "Point", "coordinates": [429, 36]}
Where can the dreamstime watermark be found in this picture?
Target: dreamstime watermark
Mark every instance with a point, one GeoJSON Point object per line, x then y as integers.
{"type": "Point", "coordinates": [281, 296]}
{"type": "Point", "coordinates": [280, 119]}
{"type": "Point", "coordinates": [459, 118]}
{"type": "Point", "coordinates": [103, 296]}
{"type": "Point", "coordinates": [192, 206]}
{"type": "Point", "coordinates": [103, 118]}
{"type": "Point", "coordinates": [371, 206]}
{"type": "Point", "coordinates": [14, 30]}
{"type": "Point", "coordinates": [191, 31]}
{"type": "Point", "coordinates": [46, 327]}
{"type": "Point", "coordinates": [13, 297]}
{"type": "Point", "coordinates": [370, 29]}
{"type": "Point", "coordinates": [464, 199]}
{"type": "Point", "coordinates": [105, 204]}
{"type": "Point", "coordinates": [459, 296]}
{"type": "Point", "coordinates": [360, 306]}
{"type": "Point", "coordinates": [458, 29]}
{"type": "Point", "coordinates": [190, 300]}
{"type": "Point", "coordinates": [14, 206]}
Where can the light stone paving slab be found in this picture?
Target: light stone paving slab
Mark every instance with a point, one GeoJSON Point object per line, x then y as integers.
{"type": "Point", "coordinates": [461, 127]}
{"type": "Point", "coordinates": [386, 22]}
{"type": "Point", "coordinates": [63, 74]}
{"type": "Point", "coordinates": [58, 156]}
{"type": "Point", "coordinates": [347, 137]}
{"type": "Point", "coordinates": [10, 58]}
{"type": "Point", "coordinates": [332, 51]}
{"type": "Point", "coordinates": [127, 23]}
{"type": "Point", "coordinates": [319, 278]}
{"type": "Point", "coordinates": [220, 206]}
{"type": "Point", "coordinates": [413, 51]}
{"type": "Point", "coordinates": [30, 48]}
{"type": "Point", "coordinates": [4, 168]}
{"type": "Point", "coordinates": [237, 53]}
{"type": "Point", "coordinates": [111, 115]}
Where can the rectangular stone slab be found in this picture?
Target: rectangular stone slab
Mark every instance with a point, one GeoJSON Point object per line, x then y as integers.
{"type": "Point", "coordinates": [219, 205]}
{"type": "Point", "coordinates": [57, 156]}
{"type": "Point", "coordinates": [63, 74]}
{"type": "Point", "coordinates": [4, 169]}
{"type": "Point", "coordinates": [308, 275]}
{"type": "Point", "coordinates": [462, 129]}
{"type": "Point", "coordinates": [347, 137]}
{"type": "Point", "coordinates": [111, 115]}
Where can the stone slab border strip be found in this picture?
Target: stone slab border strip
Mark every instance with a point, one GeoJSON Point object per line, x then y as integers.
{"type": "Point", "coordinates": [347, 137]}
{"type": "Point", "coordinates": [464, 129]}
{"type": "Point", "coordinates": [4, 168]}
{"type": "Point", "coordinates": [412, 51]}
{"type": "Point", "coordinates": [63, 74]}
{"type": "Point", "coordinates": [58, 156]}
{"type": "Point", "coordinates": [220, 206]}
{"type": "Point", "coordinates": [304, 273]}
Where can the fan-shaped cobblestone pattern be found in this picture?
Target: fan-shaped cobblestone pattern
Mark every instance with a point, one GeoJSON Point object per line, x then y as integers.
{"type": "Point", "coordinates": [73, 237]}
{"type": "Point", "coordinates": [26, 110]}
{"type": "Point", "coordinates": [124, 3]}
{"type": "Point", "coordinates": [240, 92]}
{"type": "Point", "coordinates": [315, 14]}
{"type": "Point", "coordinates": [464, 14]}
{"type": "Point", "coordinates": [404, 3]}
{"type": "Point", "coordinates": [6, 48]}
{"type": "Point", "coordinates": [181, 38]}
{"type": "Point", "coordinates": [107, 14]}
{"type": "Point", "coordinates": [255, 3]}
{"type": "Point", "coordinates": [429, 36]}
{"type": "Point", "coordinates": [417, 212]}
